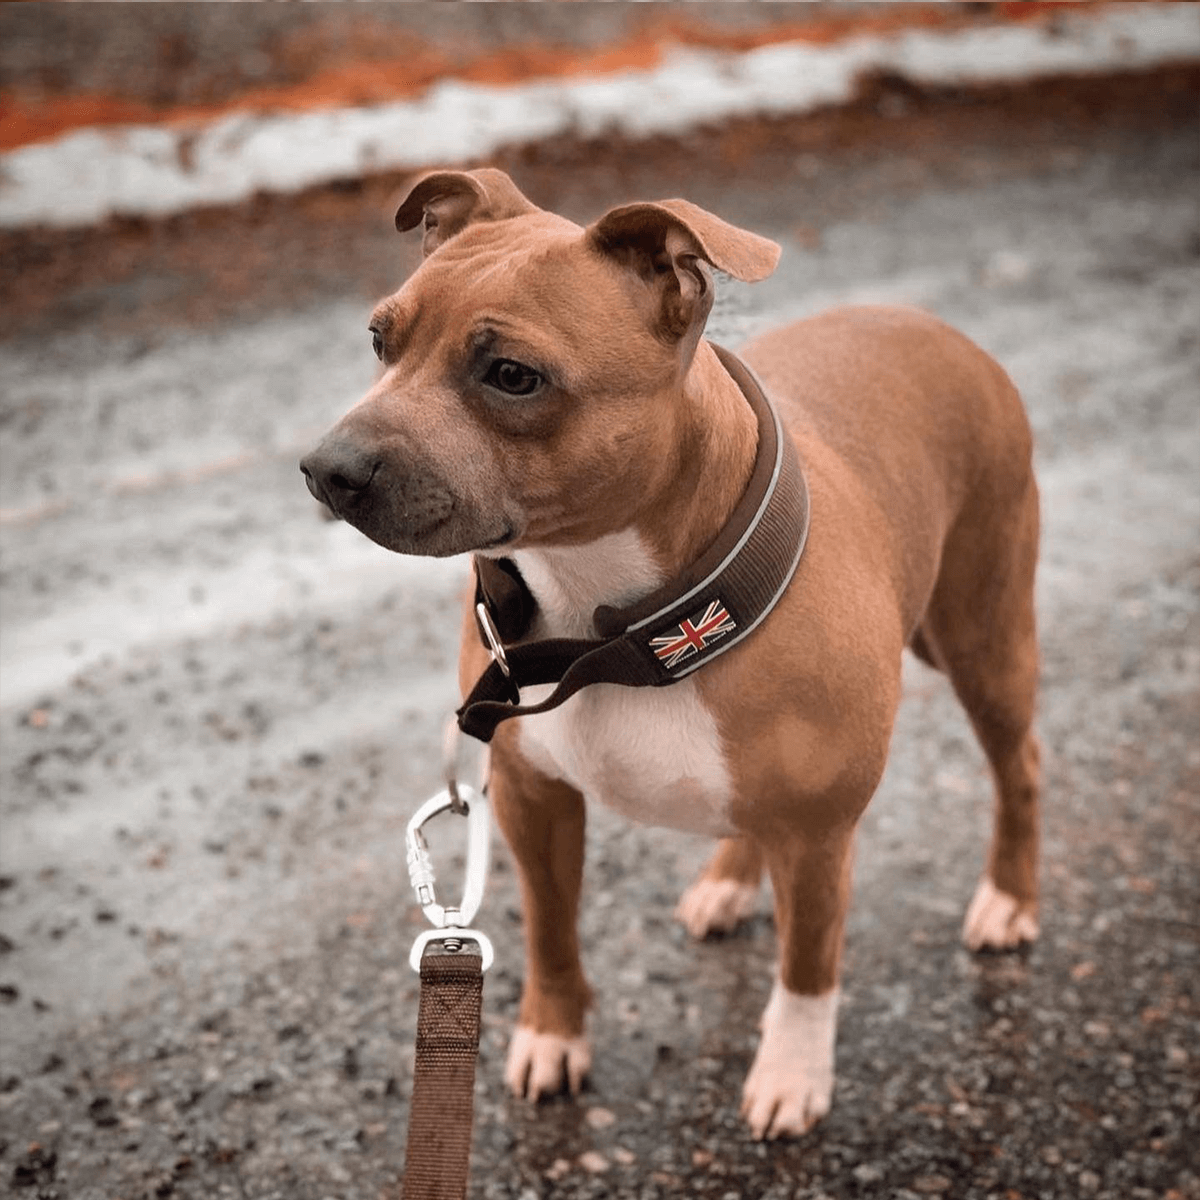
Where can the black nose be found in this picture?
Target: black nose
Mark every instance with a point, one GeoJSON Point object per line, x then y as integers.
{"type": "Point", "coordinates": [339, 472]}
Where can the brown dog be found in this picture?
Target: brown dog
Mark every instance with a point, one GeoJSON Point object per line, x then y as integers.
{"type": "Point", "coordinates": [547, 397]}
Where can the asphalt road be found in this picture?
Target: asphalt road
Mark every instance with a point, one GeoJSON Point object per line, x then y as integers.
{"type": "Point", "coordinates": [218, 711]}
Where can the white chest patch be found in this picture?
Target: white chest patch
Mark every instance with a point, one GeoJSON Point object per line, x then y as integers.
{"type": "Point", "coordinates": [653, 754]}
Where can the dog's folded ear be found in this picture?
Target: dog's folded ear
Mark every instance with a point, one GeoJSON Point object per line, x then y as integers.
{"type": "Point", "coordinates": [449, 201]}
{"type": "Point", "coordinates": [668, 244]}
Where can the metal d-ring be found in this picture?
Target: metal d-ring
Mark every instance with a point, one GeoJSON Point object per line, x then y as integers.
{"type": "Point", "coordinates": [490, 632]}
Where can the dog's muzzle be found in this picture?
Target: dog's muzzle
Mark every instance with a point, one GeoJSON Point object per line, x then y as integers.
{"type": "Point", "coordinates": [403, 503]}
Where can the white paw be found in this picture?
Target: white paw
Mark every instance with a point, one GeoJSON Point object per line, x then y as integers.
{"type": "Point", "coordinates": [539, 1064]}
{"type": "Point", "coordinates": [997, 921]}
{"type": "Point", "coordinates": [716, 906]}
{"type": "Point", "coordinates": [790, 1085]}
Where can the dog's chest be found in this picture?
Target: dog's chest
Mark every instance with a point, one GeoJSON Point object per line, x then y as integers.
{"type": "Point", "coordinates": [653, 754]}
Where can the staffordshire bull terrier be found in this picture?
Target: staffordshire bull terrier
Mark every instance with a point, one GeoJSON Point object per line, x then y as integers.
{"type": "Point", "coordinates": [746, 572]}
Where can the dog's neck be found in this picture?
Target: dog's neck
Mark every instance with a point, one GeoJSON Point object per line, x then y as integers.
{"type": "Point", "coordinates": [571, 582]}
{"type": "Point", "coordinates": [719, 433]}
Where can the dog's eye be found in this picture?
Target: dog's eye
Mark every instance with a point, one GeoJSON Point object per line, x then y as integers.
{"type": "Point", "coordinates": [377, 342]}
{"type": "Point", "coordinates": [512, 378]}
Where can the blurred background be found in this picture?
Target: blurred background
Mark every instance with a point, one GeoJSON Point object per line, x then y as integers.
{"type": "Point", "coordinates": [218, 710]}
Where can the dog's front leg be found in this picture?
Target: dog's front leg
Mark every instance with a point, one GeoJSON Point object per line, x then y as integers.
{"type": "Point", "coordinates": [543, 823]}
{"type": "Point", "coordinates": [790, 1084]}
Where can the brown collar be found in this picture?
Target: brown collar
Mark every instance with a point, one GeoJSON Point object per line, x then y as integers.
{"type": "Point", "coordinates": [715, 603]}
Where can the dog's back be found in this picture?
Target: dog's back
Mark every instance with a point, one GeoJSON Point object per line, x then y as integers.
{"type": "Point", "coordinates": [923, 426]}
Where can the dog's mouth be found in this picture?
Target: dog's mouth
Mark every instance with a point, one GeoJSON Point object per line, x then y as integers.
{"type": "Point", "coordinates": [448, 532]}
{"type": "Point", "coordinates": [509, 535]}
{"type": "Point", "coordinates": [452, 534]}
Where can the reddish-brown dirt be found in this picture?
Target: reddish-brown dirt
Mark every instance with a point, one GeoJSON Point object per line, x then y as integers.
{"type": "Point", "coordinates": [370, 60]}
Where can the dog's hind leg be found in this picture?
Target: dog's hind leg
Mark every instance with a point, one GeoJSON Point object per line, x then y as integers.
{"type": "Point", "coordinates": [980, 627]}
{"type": "Point", "coordinates": [543, 823]}
{"type": "Point", "coordinates": [726, 892]}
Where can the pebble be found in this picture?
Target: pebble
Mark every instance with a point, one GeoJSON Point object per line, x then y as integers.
{"type": "Point", "coordinates": [1006, 267]}
{"type": "Point", "coordinates": [558, 1169]}
{"type": "Point", "coordinates": [931, 1185]}
{"type": "Point", "coordinates": [594, 1162]}
{"type": "Point", "coordinates": [600, 1118]}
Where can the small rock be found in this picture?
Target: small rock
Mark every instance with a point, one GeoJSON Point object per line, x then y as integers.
{"type": "Point", "coordinates": [600, 1118]}
{"type": "Point", "coordinates": [102, 1112]}
{"type": "Point", "coordinates": [37, 1165]}
{"type": "Point", "coordinates": [594, 1162]}
{"type": "Point", "coordinates": [1006, 267]}
{"type": "Point", "coordinates": [931, 1185]}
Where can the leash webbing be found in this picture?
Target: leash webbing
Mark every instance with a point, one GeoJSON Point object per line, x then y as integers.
{"type": "Point", "coordinates": [440, 1118]}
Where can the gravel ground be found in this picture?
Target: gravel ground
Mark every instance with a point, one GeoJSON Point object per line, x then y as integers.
{"type": "Point", "coordinates": [218, 710]}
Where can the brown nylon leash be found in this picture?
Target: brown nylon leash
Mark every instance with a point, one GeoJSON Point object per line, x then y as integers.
{"type": "Point", "coordinates": [442, 1112]}
{"type": "Point", "coordinates": [451, 959]}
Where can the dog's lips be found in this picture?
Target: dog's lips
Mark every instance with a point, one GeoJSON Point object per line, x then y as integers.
{"type": "Point", "coordinates": [507, 536]}
{"type": "Point", "coordinates": [447, 534]}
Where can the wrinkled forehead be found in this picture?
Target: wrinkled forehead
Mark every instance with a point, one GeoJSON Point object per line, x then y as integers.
{"type": "Point", "coordinates": [537, 269]}
{"type": "Point", "coordinates": [490, 247]}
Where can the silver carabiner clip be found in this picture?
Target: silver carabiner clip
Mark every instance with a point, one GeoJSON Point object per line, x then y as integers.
{"type": "Point", "coordinates": [450, 923]}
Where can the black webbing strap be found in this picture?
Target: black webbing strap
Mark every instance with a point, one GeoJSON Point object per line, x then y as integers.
{"type": "Point", "coordinates": [709, 608]}
{"type": "Point", "coordinates": [443, 1097]}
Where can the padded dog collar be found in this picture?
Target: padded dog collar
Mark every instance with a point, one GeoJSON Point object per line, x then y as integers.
{"type": "Point", "coordinates": [715, 603]}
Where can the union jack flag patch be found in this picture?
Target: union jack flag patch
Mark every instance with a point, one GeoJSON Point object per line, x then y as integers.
{"type": "Point", "coordinates": [692, 636]}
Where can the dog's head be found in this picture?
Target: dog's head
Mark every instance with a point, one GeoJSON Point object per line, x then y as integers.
{"type": "Point", "coordinates": [532, 369]}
